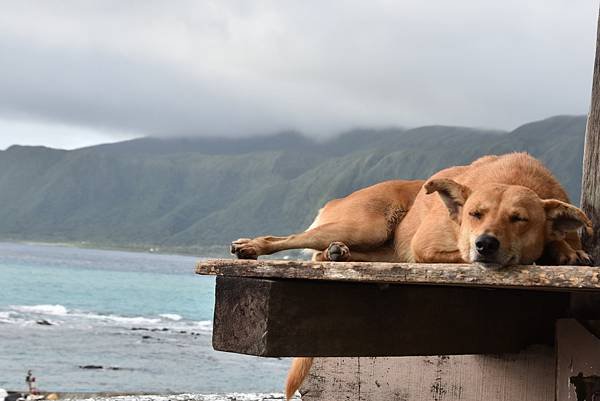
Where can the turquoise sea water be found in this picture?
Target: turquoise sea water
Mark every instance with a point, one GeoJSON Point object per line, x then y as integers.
{"type": "Point", "coordinates": [143, 321]}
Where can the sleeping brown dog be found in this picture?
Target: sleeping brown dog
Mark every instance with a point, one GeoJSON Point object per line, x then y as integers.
{"type": "Point", "coordinates": [497, 211]}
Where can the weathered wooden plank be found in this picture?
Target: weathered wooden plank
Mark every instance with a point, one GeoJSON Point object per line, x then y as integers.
{"type": "Point", "coordinates": [526, 376]}
{"type": "Point", "coordinates": [303, 318]}
{"type": "Point", "coordinates": [240, 315]}
{"type": "Point", "coordinates": [562, 278]}
{"type": "Point", "coordinates": [578, 362]}
{"type": "Point", "coordinates": [590, 185]}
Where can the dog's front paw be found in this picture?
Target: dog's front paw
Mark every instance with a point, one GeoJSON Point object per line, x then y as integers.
{"type": "Point", "coordinates": [244, 248]}
{"type": "Point", "coordinates": [574, 258]}
{"type": "Point", "coordinates": [561, 253]}
{"type": "Point", "coordinates": [337, 252]}
{"type": "Point", "coordinates": [584, 259]}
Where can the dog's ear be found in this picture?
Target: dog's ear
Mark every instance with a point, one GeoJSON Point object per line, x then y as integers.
{"type": "Point", "coordinates": [452, 193]}
{"type": "Point", "coordinates": [563, 217]}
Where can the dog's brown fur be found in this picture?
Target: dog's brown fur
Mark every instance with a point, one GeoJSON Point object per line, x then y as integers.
{"type": "Point", "coordinates": [512, 198]}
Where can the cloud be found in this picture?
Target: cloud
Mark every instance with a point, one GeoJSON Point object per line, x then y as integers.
{"type": "Point", "coordinates": [238, 68]}
{"type": "Point", "coordinates": [59, 136]}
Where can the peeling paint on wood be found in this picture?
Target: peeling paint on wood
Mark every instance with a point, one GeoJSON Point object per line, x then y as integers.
{"type": "Point", "coordinates": [527, 376]}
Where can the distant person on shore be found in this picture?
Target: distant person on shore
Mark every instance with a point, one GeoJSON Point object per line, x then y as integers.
{"type": "Point", "coordinates": [30, 380]}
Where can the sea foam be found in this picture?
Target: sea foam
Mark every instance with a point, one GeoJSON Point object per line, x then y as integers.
{"type": "Point", "coordinates": [171, 316]}
{"type": "Point", "coordinates": [53, 310]}
{"type": "Point", "coordinates": [58, 314]}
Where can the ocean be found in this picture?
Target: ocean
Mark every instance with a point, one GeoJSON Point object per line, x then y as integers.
{"type": "Point", "coordinates": [87, 320]}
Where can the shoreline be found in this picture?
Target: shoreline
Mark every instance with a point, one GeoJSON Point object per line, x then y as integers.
{"type": "Point", "coordinates": [142, 396]}
{"type": "Point", "coordinates": [208, 252]}
{"type": "Point", "coordinates": [89, 394]}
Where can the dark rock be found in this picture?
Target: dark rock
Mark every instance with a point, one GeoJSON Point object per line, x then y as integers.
{"type": "Point", "coordinates": [98, 367]}
{"type": "Point", "coordinates": [43, 322]}
{"type": "Point", "coordinates": [13, 397]}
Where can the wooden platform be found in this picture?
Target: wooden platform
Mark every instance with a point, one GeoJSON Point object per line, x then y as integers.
{"type": "Point", "coordinates": [559, 278]}
{"type": "Point", "coordinates": [275, 308]}
{"type": "Point", "coordinates": [356, 311]}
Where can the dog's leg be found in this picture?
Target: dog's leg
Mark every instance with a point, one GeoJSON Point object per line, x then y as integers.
{"type": "Point", "coordinates": [574, 240]}
{"type": "Point", "coordinates": [339, 252]}
{"type": "Point", "coordinates": [565, 252]}
{"type": "Point", "coordinates": [336, 252]}
{"type": "Point", "coordinates": [432, 244]}
{"type": "Point", "coordinates": [318, 238]}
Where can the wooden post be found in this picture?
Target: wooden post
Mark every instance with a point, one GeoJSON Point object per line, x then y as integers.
{"type": "Point", "coordinates": [590, 186]}
{"type": "Point", "coordinates": [578, 373]}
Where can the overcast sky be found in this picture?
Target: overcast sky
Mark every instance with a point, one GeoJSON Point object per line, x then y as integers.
{"type": "Point", "coordinates": [74, 73]}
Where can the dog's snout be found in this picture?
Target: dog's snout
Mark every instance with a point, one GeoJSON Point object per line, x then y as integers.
{"type": "Point", "coordinates": [487, 244]}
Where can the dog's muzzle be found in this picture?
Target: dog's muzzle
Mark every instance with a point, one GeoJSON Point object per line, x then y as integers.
{"type": "Point", "coordinates": [486, 249]}
{"type": "Point", "coordinates": [487, 245]}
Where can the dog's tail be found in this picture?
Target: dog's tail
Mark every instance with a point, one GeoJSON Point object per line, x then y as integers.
{"type": "Point", "coordinates": [296, 375]}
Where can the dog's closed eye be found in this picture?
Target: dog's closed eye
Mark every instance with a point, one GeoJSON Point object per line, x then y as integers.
{"type": "Point", "coordinates": [476, 214]}
{"type": "Point", "coordinates": [516, 218]}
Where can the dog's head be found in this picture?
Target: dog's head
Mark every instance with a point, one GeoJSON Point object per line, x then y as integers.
{"type": "Point", "coordinates": [505, 224]}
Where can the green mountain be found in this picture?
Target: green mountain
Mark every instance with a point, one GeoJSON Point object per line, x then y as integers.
{"type": "Point", "coordinates": [196, 195]}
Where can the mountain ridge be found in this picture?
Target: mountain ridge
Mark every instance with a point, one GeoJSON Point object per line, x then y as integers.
{"type": "Point", "coordinates": [190, 195]}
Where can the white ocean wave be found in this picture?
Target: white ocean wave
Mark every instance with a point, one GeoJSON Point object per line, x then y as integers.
{"type": "Point", "coordinates": [204, 325]}
{"type": "Point", "coordinates": [123, 320]}
{"type": "Point", "coordinates": [7, 317]}
{"type": "Point", "coordinates": [53, 310]}
{"type": "Point", "coordinates": [171, 316]}
{"type": "Point", "coordinates": [59, 314]}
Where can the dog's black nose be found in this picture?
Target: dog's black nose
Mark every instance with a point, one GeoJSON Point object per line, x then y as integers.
{"type": "Point", "coordinates": [487, 245]}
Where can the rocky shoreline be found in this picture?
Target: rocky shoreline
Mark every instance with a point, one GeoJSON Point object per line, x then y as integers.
{"type": "Point", "coordinates": [183, 397]}
{"type": "Point", "coordinates": [159, 397]}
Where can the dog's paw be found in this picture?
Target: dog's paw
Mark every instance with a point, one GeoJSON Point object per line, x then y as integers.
{"type": "Point", "coordinates": [244, 248]}
{"type": "Point", "coordinates": [561, 253]}
{"type": "Point", "coordinates": [337, 252]}
{"type": "Point", "coordinates": [584, 259]}
{"type": "Point", "coordinates": [575, 258]}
